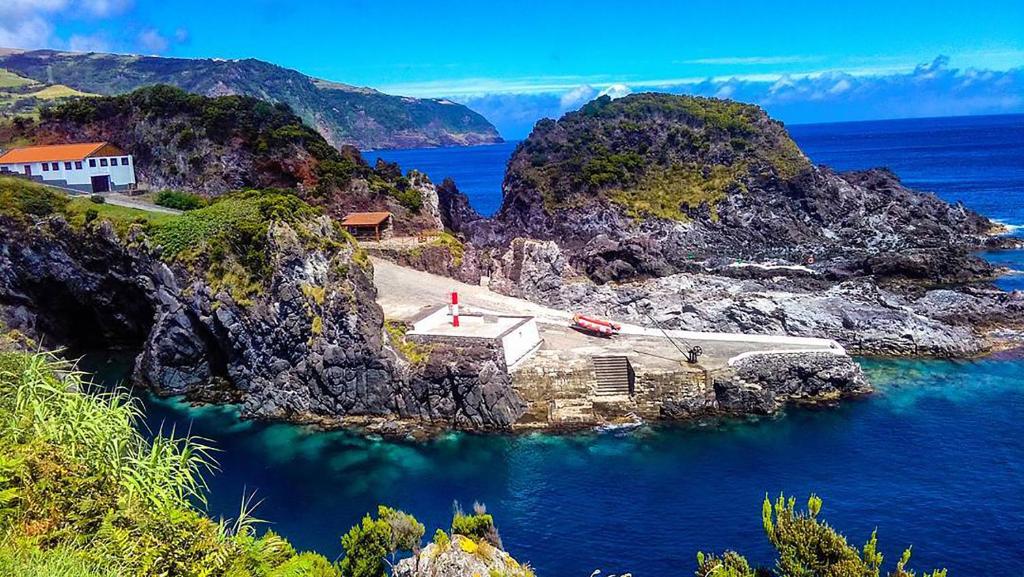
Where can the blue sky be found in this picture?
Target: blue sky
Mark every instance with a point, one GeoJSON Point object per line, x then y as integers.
{"type": "Point", "coordinates": [517, 61]}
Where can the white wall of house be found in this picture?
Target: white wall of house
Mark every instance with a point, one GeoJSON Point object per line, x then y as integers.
{"type": "Point", "coordinates": [80, 172]}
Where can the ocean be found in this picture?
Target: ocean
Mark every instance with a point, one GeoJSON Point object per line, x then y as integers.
{"type": "Point", "coordinates": [934, 459]}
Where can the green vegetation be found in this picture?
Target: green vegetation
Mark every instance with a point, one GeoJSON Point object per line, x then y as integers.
{"type": "Point", "coordinates": [84, 494]}
{"type": "Point", "coordinates": [369, 543]}
{"type": "Point", "coordinates": [655, 154]}
{"type": "Point", "coordinates": [478, 526]}
{"type": "Point", "coordinates": [10, 80]}
{"type": "Point", "coordinates": [806, 546]}
{"type": "Point", "coordinates": [77, 212]}
{"type": "Point", "coordinates": [20, 198]}
{"type": "Point", "coordinates": [179, 200]}
{"type": "Point", "coordinates": [20, 96]}
{"type": "Point", "coordinates": [228, 239]}
{"type": "Point", "coordinates": [413, 352]}
{"type": "Point", "coordinates": [268, 126]}
{"type": "Point", "coordinates": [668, 193]}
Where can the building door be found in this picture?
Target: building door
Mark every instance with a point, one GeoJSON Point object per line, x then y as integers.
{"type": "Point", "coordinates": [28, 170]}
{"type": "Point", "coordinates": [101, 183]}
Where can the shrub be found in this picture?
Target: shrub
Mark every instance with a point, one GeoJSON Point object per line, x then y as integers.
{"type": "Point", "coordinates": [179, 200]}
{"type": "Point", "coordinates": [366, 545]}
{"type": "Point", "coordinates": [806, 546]}
{"type": "Point", "coordinates": [98, 198]}
{"type": "Point", "coordinates": [91, 214]}
{"type": "Point", "coordinates": [478, 526]}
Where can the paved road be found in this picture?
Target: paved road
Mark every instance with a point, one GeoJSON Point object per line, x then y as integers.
{"type": "Point", "coordinates": [405, 293]}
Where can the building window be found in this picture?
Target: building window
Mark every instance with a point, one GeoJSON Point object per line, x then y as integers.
{"type": "Point", "coordinates": [124, 161]}
{"type": "Point", "coordinates": [103, 162]}
{"type": "Point", "coordinates": [92, 162]}
{"type": "Point", "coordinates": [5, 169]}
{"type": "Point", "coordinates": [78, 165]}
{"type": "Point", "coordinates": [67, 166]}
{"type": "Point", "coordinates": [55, 165]}
{"type": "Point", "coordinates": [46, 167]}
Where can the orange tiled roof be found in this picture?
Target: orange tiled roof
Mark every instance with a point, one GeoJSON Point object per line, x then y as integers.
{"type": "Point", "coordinates": [365, 218]}
{"type": "Point", "coordinates": [50, 153]}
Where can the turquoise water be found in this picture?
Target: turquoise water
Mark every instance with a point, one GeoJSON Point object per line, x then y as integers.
{"type": "Point", "coordinates": [934, 460]}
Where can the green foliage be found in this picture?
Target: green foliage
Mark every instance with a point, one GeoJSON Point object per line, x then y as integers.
{"type": "Point", "coordinates": [84, 493]}
{"type": "Point", "coordinates": [306, 565]}
{"type": "Point", "coordinates": [413, 352]}
{"type": "Point", "coordinates": [636, 148]}
{"type": "Point", "coordinates": [228, 239]}
{"type": "Point", "coordinates": [97, 199]}
{"type": "Point", "coordinates": [670, 193]}
{"type": "Point", "coordinates": [607, 168]}
{"type": "Point", "coordinates": [21, 198]}
{"type": "Point", "coordinates": [179, 200]}
{"type": "Point", "coordinates": [442, 540]}
{"type": "Point", "coordinates": [369, 542]}
{"type": "Point", "coordinates": [478, 526]}
{"type": "Point", "coordinates": [57, 562]}
{"type": "Point", "coordinates": [806, 546]}
{"type": "Point", "coordinates": [268, 126]}
{"type": "Point", "coordinates": [366, 545]}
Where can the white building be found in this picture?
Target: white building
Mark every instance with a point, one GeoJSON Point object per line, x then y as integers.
{"type": "Point", "coordinates": [89, 167]}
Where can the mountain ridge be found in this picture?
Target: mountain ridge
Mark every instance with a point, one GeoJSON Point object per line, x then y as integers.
{"type": "Point", "coordinates": [342, 113]}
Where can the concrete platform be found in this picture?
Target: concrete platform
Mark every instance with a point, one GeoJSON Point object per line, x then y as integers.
{"type": "Point", "coordinates": [560, 380]}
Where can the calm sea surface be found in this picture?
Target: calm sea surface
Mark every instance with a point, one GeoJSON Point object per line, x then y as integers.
{"type": "Point", "coordinates": [934, 459]}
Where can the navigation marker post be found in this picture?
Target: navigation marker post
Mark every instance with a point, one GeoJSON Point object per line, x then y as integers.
{"type": "Point", "coordinates": [454, 308]}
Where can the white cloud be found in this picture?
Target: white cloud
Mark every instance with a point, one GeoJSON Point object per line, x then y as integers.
{"type": "Point", "coordinates": [577, 96]}
{"type": "Point", "coordinates": [934, 88]}
{"type": "Point", "coordinates": [88, 43]}
{"type": "Point", "coordinates": [151, 41]}
{"type": "Point", "coordinates": [32, 32]}
{"type": "Point", "coordinates": [104, 8]}
{"type": "Point", "coordinates": [30, 23]}
{"type": "Point", "coordinates": [616, 91]}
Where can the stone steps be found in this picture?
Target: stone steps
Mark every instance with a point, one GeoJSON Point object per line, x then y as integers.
{"type": "Point", "coordinates": [613, 376]}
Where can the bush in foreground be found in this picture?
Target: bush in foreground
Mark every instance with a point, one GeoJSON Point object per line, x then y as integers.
{"type": "Point", "coordinates": [83, 493]}
{"type": "Point", "coordinates": [806, 546]}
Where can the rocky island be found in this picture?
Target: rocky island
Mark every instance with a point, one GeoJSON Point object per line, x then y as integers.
{"type": "Point", "coordinates": [705, 215]}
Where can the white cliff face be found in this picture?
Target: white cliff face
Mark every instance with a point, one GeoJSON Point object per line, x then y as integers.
{"type": "Point", "coordinates": [461, 557]}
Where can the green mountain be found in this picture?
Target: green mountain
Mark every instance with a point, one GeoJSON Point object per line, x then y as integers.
{"type": "Point", "coordinates": [343, 114]}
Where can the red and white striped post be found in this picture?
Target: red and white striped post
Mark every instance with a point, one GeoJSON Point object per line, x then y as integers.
{"type": "Point", "coordinates": [455, 309]}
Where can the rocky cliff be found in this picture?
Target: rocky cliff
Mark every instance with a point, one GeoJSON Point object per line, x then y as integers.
{"type": "Point", "coordinates": [257, 299]}
{"type": "Point", "coordinates": [704, 214]}
{"type": "Point", "coordinates": [343, 114]}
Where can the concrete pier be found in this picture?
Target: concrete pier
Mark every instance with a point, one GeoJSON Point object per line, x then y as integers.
{"type": "Point", "coordinates": [574, 378]}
